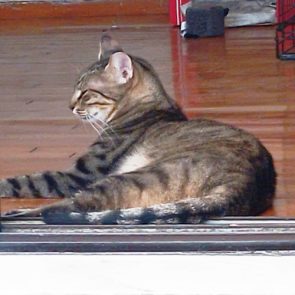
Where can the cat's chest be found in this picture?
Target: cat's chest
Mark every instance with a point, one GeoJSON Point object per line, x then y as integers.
{"type": "Point", "coordinates": [134, 161]}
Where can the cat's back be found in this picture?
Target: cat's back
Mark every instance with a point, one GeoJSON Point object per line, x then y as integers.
{"type": "Point", "coordinates": [197, 132]}
{"type": "Point", "coordinates": [203, 139]}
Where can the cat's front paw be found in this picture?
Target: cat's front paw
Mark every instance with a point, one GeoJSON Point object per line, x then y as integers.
{"type": "Point", "coordinates": [21, 213]}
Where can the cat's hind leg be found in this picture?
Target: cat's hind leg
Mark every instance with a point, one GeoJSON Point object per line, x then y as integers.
{"type": "Point", "coordinates": [190, 210]}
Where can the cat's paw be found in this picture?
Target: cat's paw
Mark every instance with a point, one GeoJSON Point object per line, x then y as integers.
{"type": "Point", "coordinates": [24, 212]}
{"type": "Point", "coordinates": [62, 213]}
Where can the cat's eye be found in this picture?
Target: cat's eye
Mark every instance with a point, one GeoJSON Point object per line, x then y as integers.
{"type": "Point", "coordinates": [104, 95]}
{"type": "Point", "coordinates": [92, 97]}
{"type": "Point", "coordinates": [98, 104]}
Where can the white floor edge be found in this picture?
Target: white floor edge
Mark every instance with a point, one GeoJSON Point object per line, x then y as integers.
{"type": "Point", "coordinates": [146, 274]}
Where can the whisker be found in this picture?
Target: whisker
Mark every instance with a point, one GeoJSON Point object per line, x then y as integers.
{"type": "Point", "coordinates": [94, 127]}
{"type": "Point", "coordinates": [84, 126]}
{"type": "Point", "coordinates": [108, 127]}
{"type": "Point", "coordinates": [104, 131]}
{"type": "Point", "coordinates": [95, 123]}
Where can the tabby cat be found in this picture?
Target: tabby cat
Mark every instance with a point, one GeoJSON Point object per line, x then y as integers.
{"type": "Point", "coordinates": [150, 164]}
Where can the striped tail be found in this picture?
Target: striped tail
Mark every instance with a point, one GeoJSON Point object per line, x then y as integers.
{"type": "Point", "coordinates": [186, 211]}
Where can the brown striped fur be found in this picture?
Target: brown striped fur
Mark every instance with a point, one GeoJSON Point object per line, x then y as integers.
{"type": "Point", "coordinates": [149, 164]}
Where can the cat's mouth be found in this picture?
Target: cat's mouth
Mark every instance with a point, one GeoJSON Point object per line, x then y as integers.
{"type": "Point", "coordinates": [94, 120]}
{"type": "Point", "coordinates": [83, 118]}
{"type": "Point", "coordinates": [88, 116]}
{"type": "Point", "coordinates": [80, 113]}
{"type": "Point", "coordinates": [93, 116]}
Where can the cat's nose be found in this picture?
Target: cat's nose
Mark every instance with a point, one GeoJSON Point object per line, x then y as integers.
{"type": "Point", "coordinates": [77, 94]}
{"type": "Point", "coordinates": [79, 112]}
{"type": "Point", "coordinates": [74, 110]}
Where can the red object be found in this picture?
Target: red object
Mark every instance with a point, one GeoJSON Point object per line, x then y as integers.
{"type": "Point", "coordinates": [285, 33]}
{"type": "Point", "coordinates": [176, 16]}
{"type": "Point", "coordinates": [285, 10]}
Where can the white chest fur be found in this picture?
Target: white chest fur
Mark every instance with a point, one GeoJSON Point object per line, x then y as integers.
{"type": "Point", "coordinates": [138, 159]}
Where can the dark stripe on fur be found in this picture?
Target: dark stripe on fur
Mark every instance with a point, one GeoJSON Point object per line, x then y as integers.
{"type": "Point", "coordinates": [111, 217]}
{"type": "Point", "coordinates": [162, 176]}
{"type": "Point", "coordinates": [79, 181]}
{"type": "Point", "coordinates": [15, 193]}
{"type": "Point", "coordinates": [81, 167]}
{"type": "Point", "coordinates": [139, 184]}
{"type": "Point", "coordinates": [185, 178]}
{"type": "Point", "coordinates": [52, 185]}
{"type": "Point", "coordinates": [104, 170]}
{"type": "Point", "coordinates": [101, 157]}
{"type": "Point", "coordinates": [14, 183]}
{"type": "Point", "coordinates": [34, 191]}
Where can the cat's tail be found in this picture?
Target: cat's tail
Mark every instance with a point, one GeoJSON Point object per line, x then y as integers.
{"type": "Point", "coordinates": [186, 211]}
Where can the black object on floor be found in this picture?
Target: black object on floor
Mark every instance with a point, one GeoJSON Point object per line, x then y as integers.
{"type": "Point", "coordinates": [204, 22]}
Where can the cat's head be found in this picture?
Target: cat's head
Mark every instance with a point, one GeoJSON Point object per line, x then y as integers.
{"type": "Point", "coordinates": [99, 89]}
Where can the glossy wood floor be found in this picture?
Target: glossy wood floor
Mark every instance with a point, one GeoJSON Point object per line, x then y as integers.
{"type": "Point", "coordinates": [235, 79]}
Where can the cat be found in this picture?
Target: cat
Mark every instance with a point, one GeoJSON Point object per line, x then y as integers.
{"type": "Point", "coordinates": [150, 164]}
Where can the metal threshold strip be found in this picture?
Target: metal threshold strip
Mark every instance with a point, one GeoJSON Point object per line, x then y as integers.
{"type": "Point", "coordinates": [224, 235]}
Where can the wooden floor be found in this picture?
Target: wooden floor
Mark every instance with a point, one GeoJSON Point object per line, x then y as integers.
{"type": "Point", "coordinates": [235, 79]}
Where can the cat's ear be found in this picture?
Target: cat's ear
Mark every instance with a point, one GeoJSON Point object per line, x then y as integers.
{"type": "Point", "coordinates": [120, 67]}
{"type": "Point", "coordinates": [107, 47]}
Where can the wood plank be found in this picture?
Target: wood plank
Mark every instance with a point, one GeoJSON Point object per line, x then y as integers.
{"type": "Point", "coordinates": [113, 9]}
